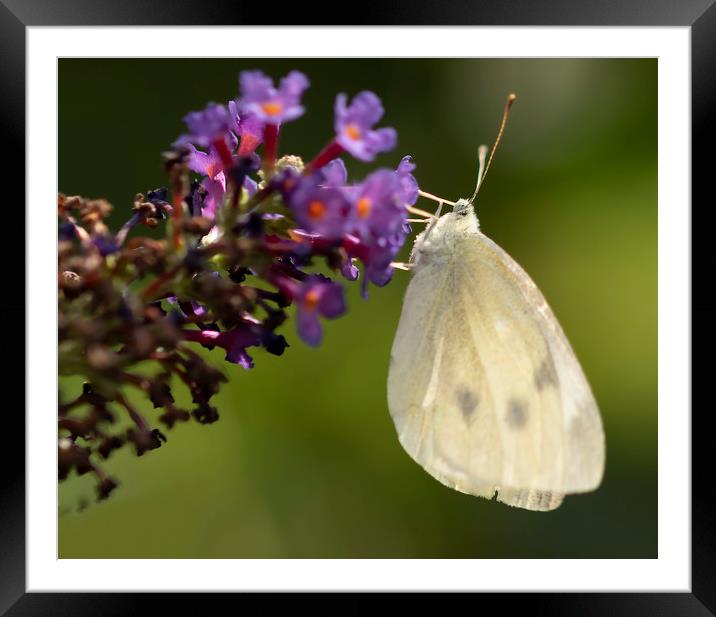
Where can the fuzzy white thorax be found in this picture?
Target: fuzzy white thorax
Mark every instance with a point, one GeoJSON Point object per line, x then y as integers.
{"type": "Point", "coordinates": [438, 240]}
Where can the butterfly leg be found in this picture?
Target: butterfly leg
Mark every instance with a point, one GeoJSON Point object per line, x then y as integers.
{"type": "Point", "coordinates": [424, 236]}
{"type": "Point", "coordinates": [419, 212]}
{"type": "Point", "coordinates": [435, 198]}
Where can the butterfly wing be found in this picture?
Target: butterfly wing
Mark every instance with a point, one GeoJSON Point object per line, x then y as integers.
{"type": "Point", "coordinates": [484, 388]}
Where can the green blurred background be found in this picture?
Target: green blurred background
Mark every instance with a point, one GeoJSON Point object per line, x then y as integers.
{"type": "Point", "coordinates": [304, 461]}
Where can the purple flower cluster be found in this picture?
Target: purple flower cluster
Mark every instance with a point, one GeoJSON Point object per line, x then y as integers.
{"type": "Point", "coordinates": [363, 221]}
{"type": "Point", "coordinates": [367, 218]}
{"type": "Point", "coordinates": [249, 229]}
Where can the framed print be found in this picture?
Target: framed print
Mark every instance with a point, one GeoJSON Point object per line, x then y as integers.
{"type": "Point", "coordinates": [391, 306]}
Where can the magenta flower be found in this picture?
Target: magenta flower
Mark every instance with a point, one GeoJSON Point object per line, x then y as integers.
{"type": "Point", "coordinates": [206, 126]}
{"type": "Point", "coordinates": [349, 270]}
{"type": "Point", "coordinates": [210, 165]}
{"type": "Point", "coordinates": [234, 342]}
{"type": "Point", "coordinates": [335, 174]}
{"type": "Point", "coordinates": [317, 297]}
{"type": "Point", "coordinates": [408, 184]}
{"type": "Point", "coordinates": [377, 259]}
{"type": "Point", "coordinates": [269, 104]}
{"type": "Point", "coordinates": [318, 209]}
{"type": "Point", "coordinates": [376, 254]}
{"type": "Point", "coordinates": [354, 126]}
{"type": "Point", "coordinates": [248, 127]}
{"type": "Point", "coordinates": [210, 129]}
{"type": "Point", "coordinates": [378, 269]}
{"type": "Point", "coordinates": [378, 212]}
{"type": "Point", "coordinates": [215, 193]}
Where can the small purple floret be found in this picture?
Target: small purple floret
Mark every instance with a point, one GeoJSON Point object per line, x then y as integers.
{"type": "Point", "coordinates": [335, 174]}
{"type": "Point", "coordinates": [269, 104]}
{"type": "Point", "coordinates": [378, 212]}
{"type": "Point", "coordinates": [317, 296]}
{"type": "Point", "coordinates": [206, 126]}
{"type": "Point", "coordinates": [408, 184]}
{"type": "Point", "coordinates": [234, 342]}
{"type": "Point", "coordinates": [354, 126]}
{"type": "Point", "coordinates": [318, 209]}
{"type": "Point", "coordinates": [248, 127]}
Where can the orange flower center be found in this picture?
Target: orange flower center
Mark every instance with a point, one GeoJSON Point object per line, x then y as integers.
{"type": "Point", "coordinates": [213, 170]}
{"type": "Point", "coordinates": [272, 108]}
{"type": "Point", "coordinates": [310, 300]}
{"type": "Point", "coordinates": [364, 206]}
{"type": "Point", "coordinates": [316, 209]}
{"type": "Point", "coordinates": [353, 131]}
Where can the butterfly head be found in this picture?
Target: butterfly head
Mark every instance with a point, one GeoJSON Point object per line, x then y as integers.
{"type": "Point", "coordinates": [460, 221]}
{"type": "Point", "coordinates": [463, 207]}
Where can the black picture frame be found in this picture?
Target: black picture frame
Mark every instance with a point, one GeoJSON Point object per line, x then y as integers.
{"type": "Point", "coordinates": [17, 15]}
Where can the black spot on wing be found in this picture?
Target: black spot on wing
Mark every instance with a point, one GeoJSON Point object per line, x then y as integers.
{"type": "Point", "coordinates": [543, 499]}
{"type": "Point", "coordinates": [516, 413]}
{"type": "Point", "coordinates": [467, 402]}
{"type": "Point", "coordinates": [545, 375]}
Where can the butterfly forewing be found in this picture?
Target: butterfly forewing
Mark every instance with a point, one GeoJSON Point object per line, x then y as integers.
{"type": "Point", "coordinates": [484, 389]}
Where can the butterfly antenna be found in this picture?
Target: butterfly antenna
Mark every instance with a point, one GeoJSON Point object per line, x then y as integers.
{"type": "Point", "coordinates": [482, 151]}
{"type": "Point", "coordinates": [481, 157]}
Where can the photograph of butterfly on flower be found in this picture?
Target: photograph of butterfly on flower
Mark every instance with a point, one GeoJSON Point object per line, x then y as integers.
{"type": "Point", "coordinates": [233, 308]}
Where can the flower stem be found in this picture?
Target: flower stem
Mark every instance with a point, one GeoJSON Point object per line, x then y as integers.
{"type": "Point", "coordinates": [133, 413]}
{"type": "Point", "coordinates": [177, 212]}
{"type": "Point", "coordinates": [330, 152]}
{"type": "Point", "coordinates": [271, 133]}
{"type": "Point", "coordinates": [224, 153]}
{"type": "Point", "coordinates": [149, 293]}
{"type": "Point", "coordinates": [125, 229]}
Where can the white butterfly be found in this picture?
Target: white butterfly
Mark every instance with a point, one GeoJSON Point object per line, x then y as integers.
{"type": "Point", "coordinates": [484, 389]}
